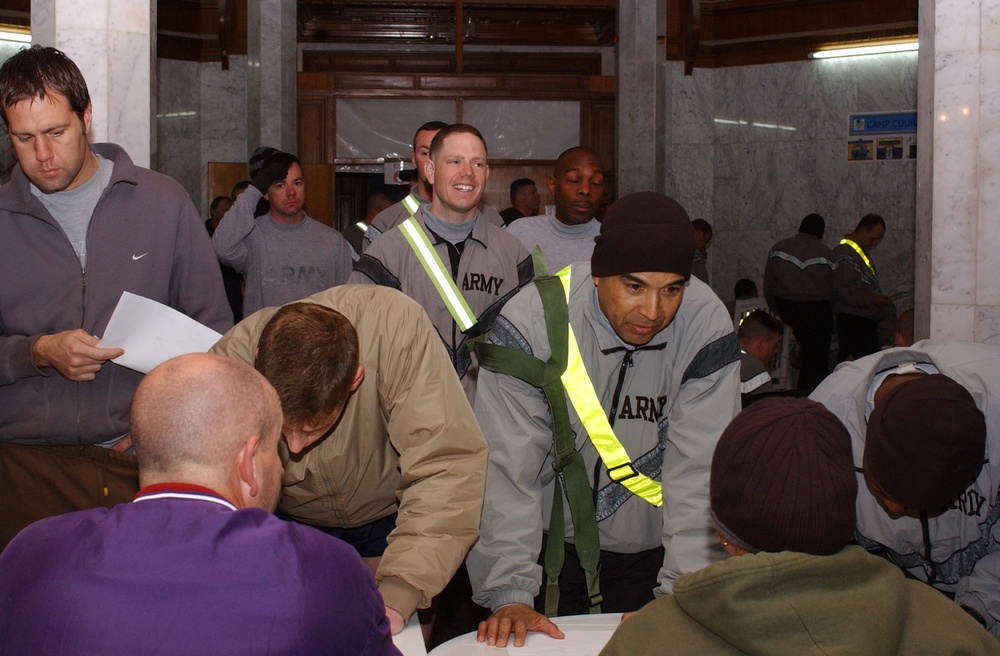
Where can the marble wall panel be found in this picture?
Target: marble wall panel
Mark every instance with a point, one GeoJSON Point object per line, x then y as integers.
{"type": "Point", "coordinates": [957, 25]}
{"type": "Point", "coordinates": [750, 248]}
{"type": "Point", "coordinates": [728, 106]}
{"type": "Point", "coordinates": [86, 47]}
{"type": "Point", "coordinates": [691, 180]}
{"type": "Point", "coordinates": [881, 83]}
{"type": "Point", "coordinates": [955, 203]}
{"type": "Point", "coordinates": [126, 16]}
{"type": "Point", "coordinates": [956, 322]}
{"type": "Point", "coordinates": [799, 102]}
{"type": "Point", "coordinates": [224, 101]}
{"type": "Point", "coordinates": [989, 28]}
{"type": "Point", "coordinates": [988, 324]}
{"type": "Point", "coordinates": [178, 124]}
{"type": "Point", "coordinates": [988, 233]}
{"type": "Point", "coordinates": [181, 162]}
{"type": "Point", "coordinates": [759, 90]}
{"type": "Point", "coordinates": [765, 179]}
{"type": "Point", "coordinates": [724, 193]}
{"type": "Point", "coordinates": [130, 99]}
{"type": "Point", "coordinates": [178, 99]}
{"type": "Point", "coordinates": [202, 118]}
{"type": "Point", "coordinates": [692, 106]}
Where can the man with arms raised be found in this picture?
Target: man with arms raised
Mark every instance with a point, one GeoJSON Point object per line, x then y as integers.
{"type": "Point", "coordinates": [284, 255]}
{"type": "Point", "coordinates": [568, 236]}
{"type": "Point", "coordinates": [647, 356]}
{"type": "Point", "coordinates": [79, 224]}
{"type": "Point", "coordinates": [460, 268]}
{"type": "Point", "coordinates": [197, 563]}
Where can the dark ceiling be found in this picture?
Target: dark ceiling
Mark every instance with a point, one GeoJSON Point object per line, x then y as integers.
{"type": "Point", "coordinates": [704, 33]}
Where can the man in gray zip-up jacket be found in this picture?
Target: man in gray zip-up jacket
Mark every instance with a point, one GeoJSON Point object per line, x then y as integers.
{"type": "Point", "coordinates": [798, 286]}
{"type": "Point", "coordinates": [660, 352]}
{"type": "Point", "coordinates": [79, 225]}
{"type": "Point", "coordinates": [954, 544]}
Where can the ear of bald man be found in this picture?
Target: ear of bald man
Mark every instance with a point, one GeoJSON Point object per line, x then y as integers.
{"type": "Point", "coordinates": [258, 470]}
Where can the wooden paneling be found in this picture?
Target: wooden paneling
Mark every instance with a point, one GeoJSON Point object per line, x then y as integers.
{"type": "Point", "coordinates": [742, 32]}
{"type": "Point", "coordinates": [553, 23]}
{"type": "Point", "coordinates": [319, 192]}
{"type": "Point", "coordinates": [525, 63]}
{"type": "Point", "coordinates": [16, 13]}
{"type": "Point", "coordinates": [528, 87]}
{"type": "Point", "coordinates": [195, 30]}
{"type": "Point", "coordinates": [223, 176]}
{"type": "Point", "coordinates": [601, 133]}
{"type": "Point", "coordinates": [316, 127]}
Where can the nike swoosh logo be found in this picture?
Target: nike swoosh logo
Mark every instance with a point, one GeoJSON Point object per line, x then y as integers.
{"type": "Point", "coordinates": [139, 257]}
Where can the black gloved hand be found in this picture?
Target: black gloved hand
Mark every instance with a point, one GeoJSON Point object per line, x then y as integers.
{"type": "Point", "coordinates": [268, 175]}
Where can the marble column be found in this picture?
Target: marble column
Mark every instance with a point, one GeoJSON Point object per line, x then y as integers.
{"type": "Point", "coordinates": [958, 174]}
{"type": "Point", "coordinates": [113, 43]}
{"type": "Point", "coordinates": [272, 62]}
{"type": "Point", "coordinates": [641, 111]}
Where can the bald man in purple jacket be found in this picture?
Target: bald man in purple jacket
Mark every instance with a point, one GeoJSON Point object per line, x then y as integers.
{"type": "Point", "coordinates": [197, 564]}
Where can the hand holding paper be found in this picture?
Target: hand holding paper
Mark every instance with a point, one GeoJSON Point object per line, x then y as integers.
{"type": "Point", "coordinates": [152, 333]}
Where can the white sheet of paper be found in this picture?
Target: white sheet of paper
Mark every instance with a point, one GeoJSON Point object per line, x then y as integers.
{"type": "Point", "coordinates": [410, 641]}
{"type": "Point", "coordinates": [152, 333]}
{"type": "Point", "coordinates": [586, 635]}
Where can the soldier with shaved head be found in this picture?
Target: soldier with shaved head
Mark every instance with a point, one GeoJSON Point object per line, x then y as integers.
{"type": "Point", "coordinates": [568, 235]}
{"type": "Point", "coordinates": [197, 563]}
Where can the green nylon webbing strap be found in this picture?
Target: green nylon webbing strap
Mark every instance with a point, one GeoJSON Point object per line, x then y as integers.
{"type": "Point", "coordinates": [412, 204]}
{"type": "Point", "coordinates": [859, 251]}
{"type": "Point", "coordinates": [568, 461]}
{"type": "Point", "coordinates": [421, 246]}
{"type": "Point", "coordinates": [592, 415]}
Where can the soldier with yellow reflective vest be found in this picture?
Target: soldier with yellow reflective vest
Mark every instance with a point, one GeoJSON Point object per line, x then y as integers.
{"type": "Point", "coordinates": [459, 267]}
{"type": "Point", "coordinates": [602, 394]}
{"type": "Point", "coordinates": [857, 298]}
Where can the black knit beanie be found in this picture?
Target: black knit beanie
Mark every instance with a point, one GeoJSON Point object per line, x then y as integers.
{"type": "Point", "coordinates": [644, 231]}
{"type": "Point", "coordinates": [783, 479]}
{"type": "Point", "coordinates": [926, 442]}
{"type": "Point", "coordinates": [256, 162]}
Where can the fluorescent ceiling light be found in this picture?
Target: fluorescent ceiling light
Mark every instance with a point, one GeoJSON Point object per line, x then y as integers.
{"type": "Point", "coordinates": [754, 124]}
{"type": "Point", "coordinates": [870, 49]}
{"type": "Point", "coordinates": [20, 37]}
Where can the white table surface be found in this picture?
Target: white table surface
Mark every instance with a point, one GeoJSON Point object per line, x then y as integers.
{"type": "Point", "coordinates": [586, 635]}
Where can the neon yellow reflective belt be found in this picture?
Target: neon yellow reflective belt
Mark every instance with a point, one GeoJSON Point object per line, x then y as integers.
{"type": "Point", "coordinates": [411, 204]}
{"type": "Point", "coordinates": [432, 264]}
{"type": "Point", "coordinates": [587, 405]}
{"type": "Point", "coordinates": [864, 258]}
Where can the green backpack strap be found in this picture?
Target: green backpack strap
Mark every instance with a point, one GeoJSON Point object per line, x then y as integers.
{"type": "Point", "coordinates": [571, 473]}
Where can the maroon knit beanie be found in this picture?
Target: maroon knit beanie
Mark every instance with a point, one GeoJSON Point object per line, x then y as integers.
{"type": "Point", "coordinates": [783, 479]}
{"type": "Point", "coordinates": [925, 443]}
{"type": "Point", "coordinates": [644, 231]}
